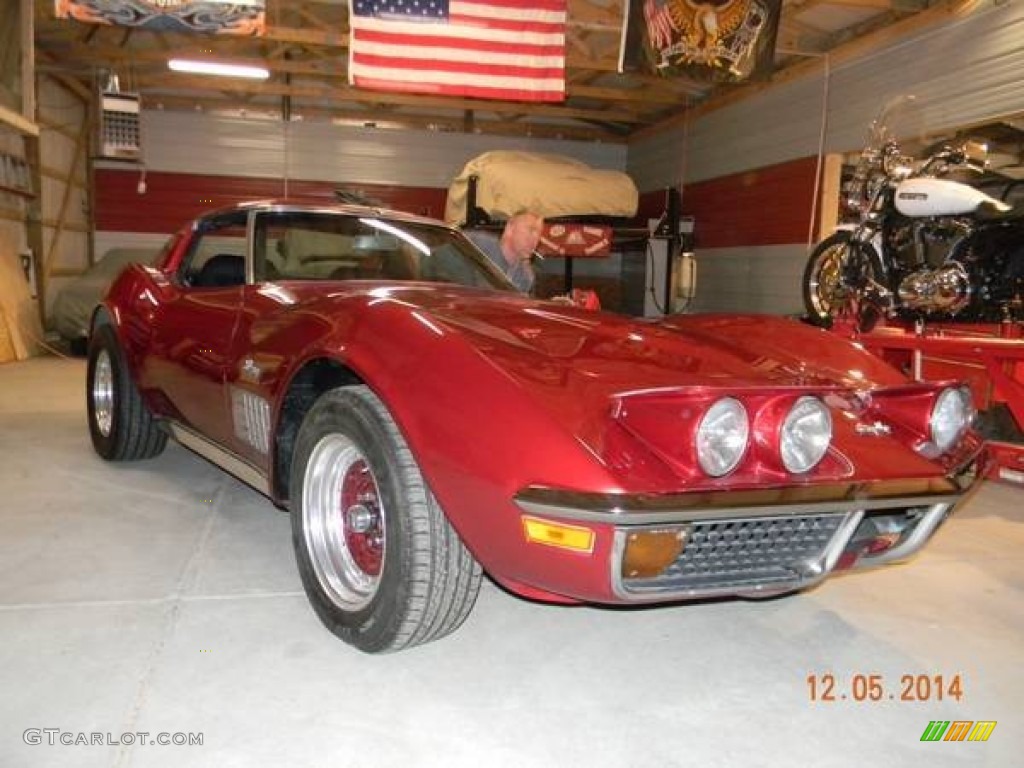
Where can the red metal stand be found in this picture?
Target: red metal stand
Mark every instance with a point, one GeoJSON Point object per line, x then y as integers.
{"type": "Point", "coordinates": [988, 356]}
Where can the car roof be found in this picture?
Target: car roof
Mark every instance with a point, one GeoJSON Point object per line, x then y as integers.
{"type": "Point", "coordinates": [344, 209]}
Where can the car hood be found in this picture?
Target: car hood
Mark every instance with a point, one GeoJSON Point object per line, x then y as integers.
{"type": "Point", "coordinates": [618, 388]}
{"type": "Point", "coordinates": [541, 344]}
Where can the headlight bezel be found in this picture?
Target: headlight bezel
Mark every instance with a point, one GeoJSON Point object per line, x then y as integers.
{"type": "Point", "coordinates": [722, 407]}
{"type": "Point", "coordinates": [810, 452]}
{"type": "Point", "coordinates": [964, 416]}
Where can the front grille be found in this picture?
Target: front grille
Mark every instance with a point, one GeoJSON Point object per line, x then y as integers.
{"type": "Point", "coordinates": [726, 555]}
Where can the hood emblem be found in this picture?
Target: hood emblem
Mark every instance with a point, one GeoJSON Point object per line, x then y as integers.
{"type": "Point", "coordinates": [875, 429]}
{"type": "Point", "coordinates": [250, 371]}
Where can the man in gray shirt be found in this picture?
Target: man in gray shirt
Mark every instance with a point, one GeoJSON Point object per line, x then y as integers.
{"type": "Point", "coordinates": [513, 250]}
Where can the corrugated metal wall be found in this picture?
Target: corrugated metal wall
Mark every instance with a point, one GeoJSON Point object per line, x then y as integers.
{"type": "Point", "coordinates": [186, 142]}
{"type": "Point", "coordinates": [966, 71]}
{"type": "Point", "coordinates": [300, 152]}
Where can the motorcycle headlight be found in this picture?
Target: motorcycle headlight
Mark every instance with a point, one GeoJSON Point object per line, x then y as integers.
{"type": "Point", "coordinates": [806, 434]}
{"type": "Point", "coordinates": [951, 415]}
{"type": "Point", "coordinates": [722, 436]}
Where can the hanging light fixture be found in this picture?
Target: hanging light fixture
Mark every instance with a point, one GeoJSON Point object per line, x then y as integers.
{"type": "Point", "coordinates": [218, 68]}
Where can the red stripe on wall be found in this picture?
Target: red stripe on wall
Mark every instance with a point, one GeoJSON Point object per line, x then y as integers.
{"type": "Point", "coordinates": [764, 206]}
{"type": "Point", "coordinates": [173, 199]}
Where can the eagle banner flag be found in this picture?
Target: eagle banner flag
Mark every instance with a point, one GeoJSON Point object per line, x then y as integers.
{"type": "Point", "coordinates": [718, 41]}
{"type": "Point", "coordinates": [487, 49]}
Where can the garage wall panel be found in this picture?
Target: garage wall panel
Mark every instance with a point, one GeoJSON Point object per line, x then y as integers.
{"type": "Point", "coordinates": [187, 142]}
{"type": "Point", "coordinates": [172, 199]}
{"type": "Point", "coordinates": [195, 162]}
{"type": "Point", "coordinates": [750, 279]}
{"type": "Point", "coordinates": [193, 142]}
{"type": "Point", "coordinates": [64, 189]}
{"type": "Point", "coordinates": [753, 207]}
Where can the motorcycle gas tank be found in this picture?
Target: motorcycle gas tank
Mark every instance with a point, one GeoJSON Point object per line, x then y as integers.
{"type": "Point", "coordinates": [939, 197]}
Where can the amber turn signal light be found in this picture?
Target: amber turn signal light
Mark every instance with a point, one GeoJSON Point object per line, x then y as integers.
{"type": "Point", "coordinates": [649, 553]}
{"type": "Point", "coordinates": [560, 535]}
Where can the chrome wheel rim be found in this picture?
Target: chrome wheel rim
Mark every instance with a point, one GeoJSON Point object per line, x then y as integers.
{"type": "Point", "coordinates": [103, 393]}
{"type": "Point", "coordinates": [343, 522]}
{"type": "Point", "coordinates": [826, 287]}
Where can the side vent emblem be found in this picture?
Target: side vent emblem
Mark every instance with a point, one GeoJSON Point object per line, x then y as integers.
{"type": "Point", "coordinates": [251, 415]}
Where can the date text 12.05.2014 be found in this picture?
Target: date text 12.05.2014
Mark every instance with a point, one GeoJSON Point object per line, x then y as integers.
{"type": "Point", "coordinates": [827, 687]}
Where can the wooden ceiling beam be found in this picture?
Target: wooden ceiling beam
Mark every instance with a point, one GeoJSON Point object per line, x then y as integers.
{"type": "Point", "coordinates": [585, 14]}
{"type": "Point", "coordinates": [797, 37]}
{"type": "Point", "coordinates": [172, 82]}
{"type": "Point", "coordinates": [308, 42]}
{"type": "Point", "coordinates": [146, 60]}
{"type": "Point", "coordinates": [71, 84]}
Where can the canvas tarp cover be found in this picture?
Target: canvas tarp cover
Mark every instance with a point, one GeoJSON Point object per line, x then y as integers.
{"type": "Point", "coordinates": [546, 184]}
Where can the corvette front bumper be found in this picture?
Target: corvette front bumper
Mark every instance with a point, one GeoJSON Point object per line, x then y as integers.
{"type": "Point", "coordinates": [751, 543]}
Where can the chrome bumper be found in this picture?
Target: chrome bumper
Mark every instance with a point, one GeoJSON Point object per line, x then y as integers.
{"type": "Point", "coordinates": [756, 543]}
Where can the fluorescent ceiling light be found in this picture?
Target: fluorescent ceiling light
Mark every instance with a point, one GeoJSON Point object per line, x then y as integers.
{"type": "Point", "coordinates": [216, 68]}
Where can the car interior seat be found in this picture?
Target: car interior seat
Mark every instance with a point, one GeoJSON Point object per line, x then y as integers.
{"type": "Point", "coordinates": [399, 265]}
{"type": "Point", "coordinates": [221, 271]}
{"type": "Point", "coordinates": [345, 273]}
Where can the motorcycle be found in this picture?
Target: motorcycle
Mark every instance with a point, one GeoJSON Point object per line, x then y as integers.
{"type": "Point", "coordinates": [924, 243]}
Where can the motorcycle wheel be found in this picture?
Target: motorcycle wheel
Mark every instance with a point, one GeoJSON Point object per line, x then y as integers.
{"type": "Point", "coordinates": [833, 270]}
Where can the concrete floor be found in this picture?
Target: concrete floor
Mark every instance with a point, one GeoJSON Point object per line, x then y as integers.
{"type": "Point", "coordinates": [162, 597]}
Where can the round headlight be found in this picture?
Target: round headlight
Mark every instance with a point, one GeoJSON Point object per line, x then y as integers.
{"type": "Point", "coordinates": [722, 436]}
{"type": "Point", "coordinates": [951, 414]}
{"type": "Point", "coordinates": [806, 434]}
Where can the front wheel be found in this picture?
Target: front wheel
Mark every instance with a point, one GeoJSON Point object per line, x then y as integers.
{"type": "Point", "coordinates": [379, 561]}
{"type": "Point", "coordinates": [837, 271]}
{"type": "Point", "coordinates": [120, 425]}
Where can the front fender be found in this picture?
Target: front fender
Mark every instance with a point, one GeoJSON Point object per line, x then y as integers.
{"type": "Point", "coordinates": [478, 436]}
{"type": "Point", "coordinates": [875, 242]}
{"type": "Point", "coordinates": [807, 353]}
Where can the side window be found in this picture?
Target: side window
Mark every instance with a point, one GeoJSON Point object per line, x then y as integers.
{"type": "Point", "coordinates": [216, 257]}
{"type": "Point", "coordinates": [310, 245]}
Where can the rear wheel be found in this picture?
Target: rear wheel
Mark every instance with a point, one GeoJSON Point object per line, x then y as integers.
{"type": "Point", "coordinates": [120, 425]}
{"type": "Point", "coordinates": [380, 563]}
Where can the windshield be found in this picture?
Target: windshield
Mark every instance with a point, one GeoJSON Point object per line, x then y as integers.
{"type": "Point", "coordinates": [320, 245]}
{"type": "Point", "coordinates": [900, 119]}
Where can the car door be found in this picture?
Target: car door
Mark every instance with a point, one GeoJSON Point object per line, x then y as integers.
{"type": "Point", "coordinates": [287, 245]}
{"type": "Point", "coordinates": [193, 333]}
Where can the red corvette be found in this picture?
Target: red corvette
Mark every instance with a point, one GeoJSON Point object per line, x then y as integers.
{"type": "Point", "coordinates": [374, 374]}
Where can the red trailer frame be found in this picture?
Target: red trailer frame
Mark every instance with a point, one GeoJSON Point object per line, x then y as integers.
{"type": "Point", "coordinates": [989, 356]}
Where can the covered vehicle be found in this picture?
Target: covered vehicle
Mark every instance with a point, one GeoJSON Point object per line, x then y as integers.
{"type": "Point", "coordinates": [372, 373]}
{"type": "Point", "coordinates": [75, 303]}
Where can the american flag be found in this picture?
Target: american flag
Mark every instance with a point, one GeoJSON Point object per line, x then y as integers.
{"type": "Point", "coordinates": [659, 24]}
{"type": "Point", "coordinates": [489, 49]}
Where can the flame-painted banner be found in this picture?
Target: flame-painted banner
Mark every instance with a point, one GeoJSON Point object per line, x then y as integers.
{"type": "Point", "coordinates": [709, 40]}
{"type": "Point", "coordinates": [239, 17]}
